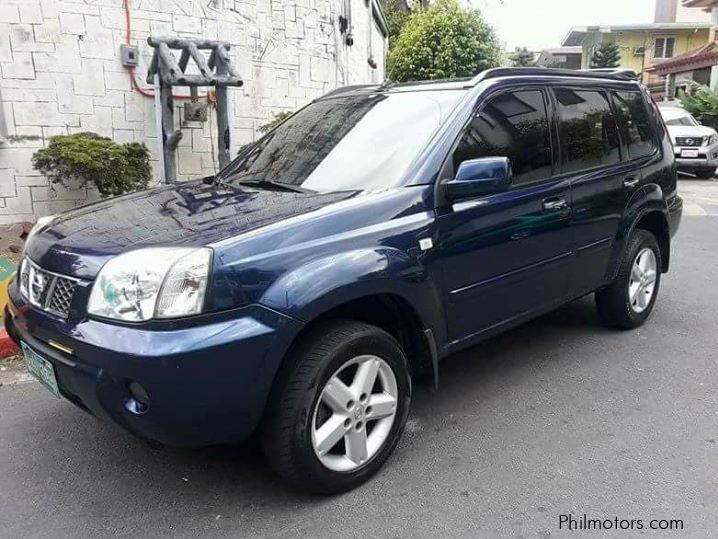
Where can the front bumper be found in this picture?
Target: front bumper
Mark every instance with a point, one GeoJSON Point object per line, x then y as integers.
{"type": "Point", "coordinates": [207, 384]}
{"type": "Point", "coordinates": [707, 157]}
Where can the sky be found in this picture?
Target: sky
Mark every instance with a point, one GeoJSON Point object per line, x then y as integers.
{"type": "Point", "coordinates": [539, 24]}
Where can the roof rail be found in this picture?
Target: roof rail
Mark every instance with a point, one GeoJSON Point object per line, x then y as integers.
{"type": "Point", "coordinates": [608, 73]}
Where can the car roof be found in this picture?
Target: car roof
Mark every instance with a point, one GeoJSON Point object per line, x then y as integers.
{"type": "Point", "coordinates": [465, 83]}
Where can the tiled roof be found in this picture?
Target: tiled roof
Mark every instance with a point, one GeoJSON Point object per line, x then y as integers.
{"type": "Point", "coordinates": [704, 56]}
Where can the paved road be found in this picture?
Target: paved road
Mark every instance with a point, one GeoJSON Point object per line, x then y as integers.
{"type": "Point", "coordinates": [561, 415]}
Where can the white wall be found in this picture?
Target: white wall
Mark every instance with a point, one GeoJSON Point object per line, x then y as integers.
{"type": "Point", "coordinates": [60, 73]}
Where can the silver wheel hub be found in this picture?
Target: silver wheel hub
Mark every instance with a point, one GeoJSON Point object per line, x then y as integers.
{"type": "Point", "coordinates": [642, 283]}
{"type": "Point", "coordinates": [354, 414]}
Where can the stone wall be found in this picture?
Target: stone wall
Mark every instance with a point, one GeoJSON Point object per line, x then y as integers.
{"type": "Point", "coordinates": [60, 73]}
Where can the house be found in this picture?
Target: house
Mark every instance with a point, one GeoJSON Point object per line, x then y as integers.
{"type": "Point", "coordinates": [61, 72]}
{"type": "Point", "coordinates": [561, 57]}
{"type": "Point", "coordinates": [641, 45]}
{"type": "Point", "coordinates": [696, 66]}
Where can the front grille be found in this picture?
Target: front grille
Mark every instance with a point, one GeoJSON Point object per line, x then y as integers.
{"type": "Point", "coordinates": [694, 142]}
{"type": "Point", "coordinates": [49, 291]}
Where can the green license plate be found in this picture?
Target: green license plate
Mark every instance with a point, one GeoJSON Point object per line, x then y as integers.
{"type": "Point", "coordinates": [41, 369]}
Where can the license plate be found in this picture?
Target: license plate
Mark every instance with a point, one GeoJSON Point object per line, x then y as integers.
{"type": "Point", "coordinates": [689, 153]}
{"type": "Point", "coordinates": [41, 369]}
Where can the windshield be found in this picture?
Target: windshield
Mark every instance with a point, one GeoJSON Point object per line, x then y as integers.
{"type": "Point", "coordinates": [683, 120]}
{"type": "Point", "coordinates": [361, 142]}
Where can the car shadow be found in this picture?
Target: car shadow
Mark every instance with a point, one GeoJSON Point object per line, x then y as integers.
{"type": "Point", "coordinates": [238, 478]}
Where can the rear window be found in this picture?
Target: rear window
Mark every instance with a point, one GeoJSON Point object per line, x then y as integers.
{"type": "Point", "coordinates": [587, 130]}
{"type": "Point", "coordinates": [635, 124]}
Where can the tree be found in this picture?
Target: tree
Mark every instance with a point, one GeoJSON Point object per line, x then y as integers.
{"type": "Point", "coordinates": [606, 55]}
{"type": "Point", "coordinates": [443, 41]}
{"type": "Point", "coordinates": [396, 16]}
{"type": "Point", "coordinates": [522, 57]}
{"type": "Point", "coordinates": [703, 105]}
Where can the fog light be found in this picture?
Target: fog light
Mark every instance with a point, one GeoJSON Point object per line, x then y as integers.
{"type": "Point", "coordinates": [139, 401]}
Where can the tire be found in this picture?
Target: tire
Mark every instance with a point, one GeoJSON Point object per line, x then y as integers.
{"type": "Point", "coordinates": [615, 305]}
{"type": "Point", "coordinates": [300, 403]}
{"type": "Point", "coordinates": [705, 173]}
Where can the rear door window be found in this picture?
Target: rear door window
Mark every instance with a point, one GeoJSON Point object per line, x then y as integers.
{"type": "Point", "coordinates": [587, 130]}
{"type": "Point", "coordinates": [634, 123]}
{"type": "Point", "coordinates": [514, 125]}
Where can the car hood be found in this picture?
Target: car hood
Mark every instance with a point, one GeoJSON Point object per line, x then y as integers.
{"type": "Point", "coordinates": [79, 242]}
{"type": "Point", "coordinates": [695, 131]}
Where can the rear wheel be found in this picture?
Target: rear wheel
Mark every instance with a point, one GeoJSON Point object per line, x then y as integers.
{"type": "Point", "coordinates": [629, 300]}
{"type": "Point", "coordinates": [339, 409]}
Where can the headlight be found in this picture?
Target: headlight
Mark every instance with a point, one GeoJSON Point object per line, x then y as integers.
{"type": "Point", "coordinates": [158, 282]}
{"type": "Point", "coordinates": [710, 141]}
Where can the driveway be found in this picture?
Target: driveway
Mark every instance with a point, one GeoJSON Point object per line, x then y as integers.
{"type": "Point", "coordinates": [559, 416]}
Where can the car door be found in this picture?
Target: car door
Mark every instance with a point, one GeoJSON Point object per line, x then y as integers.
{"type": "Point", "coordinates": [506, 254]}
{"type": "Point", "coordinates": [603, 177]}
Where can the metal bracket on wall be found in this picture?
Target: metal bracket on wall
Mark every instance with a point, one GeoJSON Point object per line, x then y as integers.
{"type": "Point", "coordinates": [216, 71]}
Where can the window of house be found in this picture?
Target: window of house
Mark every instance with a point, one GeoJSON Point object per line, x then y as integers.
{"type": "Point", "coordinates": [664, 47]}
{"type": "Point", "coordinates": [513, 125]}
{"type": "Point", "coordinates": [587, 130]}
{"type": "Point", "coordinates": [634, 123]}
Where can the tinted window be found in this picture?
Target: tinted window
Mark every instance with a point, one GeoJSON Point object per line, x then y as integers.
{"type": "Point", "coordinates": [361, 142]}
{"type": "Point", "coordinates": [635, 124]}
{"type": "Point", "coordinates": [587, 130]}
{"type": "Point", "coordinates": [513, 125]}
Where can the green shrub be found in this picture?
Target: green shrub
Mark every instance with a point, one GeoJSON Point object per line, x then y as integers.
{"type": "Point", "coordinates": [88, 158]}
{"type": "Point", "coordinates": [703, 105]}
{"type": "Point", "coordinates": [443, 41]}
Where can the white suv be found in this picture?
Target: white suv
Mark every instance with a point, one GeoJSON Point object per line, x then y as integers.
{"type": "Point", "coordinates": [696, 145]}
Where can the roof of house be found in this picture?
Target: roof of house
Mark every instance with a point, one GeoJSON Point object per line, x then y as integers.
{"type": "Point", "coordinates": [577, 34]}
{"type": "Point", "coordinates": [700, 3]}
{"type": "Point", "coordinates": [545, 54]}
{"type": "Point", "coordinates": [702, 57]}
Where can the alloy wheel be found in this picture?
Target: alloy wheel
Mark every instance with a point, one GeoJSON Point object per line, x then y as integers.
{"type": "Point", "coordinates": [354, 413]}
{"type": "Point", "coordinates": [642, 283]}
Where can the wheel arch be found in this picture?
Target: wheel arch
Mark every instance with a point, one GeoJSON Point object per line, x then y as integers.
{"type": "Point", "coordinates": [647, 210]}
{"type": "Point", "coordinates": [393, 313]}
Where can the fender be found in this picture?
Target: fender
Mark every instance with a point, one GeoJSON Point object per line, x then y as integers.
{"type": "Point", "coordinates": [649, 198]}
{"type": "Point", "coordinates": [318, 286]}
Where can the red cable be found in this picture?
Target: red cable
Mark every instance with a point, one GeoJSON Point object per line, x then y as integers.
{"type": "Point", "coordinates": [131, 70]}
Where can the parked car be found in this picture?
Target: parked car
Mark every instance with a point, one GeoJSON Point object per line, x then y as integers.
{"type": "Point", "coordinates": [695, 145]}
{"type": "Point", "coordinates": [370, 235]}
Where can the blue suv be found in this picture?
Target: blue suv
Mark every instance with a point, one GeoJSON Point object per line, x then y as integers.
{"type": "Point", "coordinates": [299, 292]}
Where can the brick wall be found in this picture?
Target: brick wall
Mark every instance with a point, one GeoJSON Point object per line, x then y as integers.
{"type": "Point", "coordinates": [60, 73]}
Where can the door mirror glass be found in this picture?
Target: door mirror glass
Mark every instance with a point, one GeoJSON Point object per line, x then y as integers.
{"type": "Point", "coordinates": [483, 176]}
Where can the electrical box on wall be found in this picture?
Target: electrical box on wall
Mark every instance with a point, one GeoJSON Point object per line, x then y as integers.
{"type": "Point", "coordinates": [129, 55]}
{"type": "Point", "coordinates": [194, 111]}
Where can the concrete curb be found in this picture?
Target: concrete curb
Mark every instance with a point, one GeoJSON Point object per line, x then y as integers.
{"type": "Point", "coordinates": [7, 346]}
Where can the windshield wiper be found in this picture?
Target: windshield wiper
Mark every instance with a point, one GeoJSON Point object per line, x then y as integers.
{"type": "Point", "coordinates": [275, 185]}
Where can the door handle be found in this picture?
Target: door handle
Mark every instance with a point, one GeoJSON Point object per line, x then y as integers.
{"type": "Point", "coordinates": [630, 183]}
{"type": "Point", "coordinates": [553, 204]}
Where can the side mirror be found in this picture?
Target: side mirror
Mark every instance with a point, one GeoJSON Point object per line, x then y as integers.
{"type": "Point", "coordinates": [477, 177]}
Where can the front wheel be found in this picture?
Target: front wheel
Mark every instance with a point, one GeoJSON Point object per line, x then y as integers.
{"type": "Point", "coordinates": [628, 301]}
{"type": "Point", "coordinates": [339, 408]}
{"type": "Point", "coordinates": [705, 173]}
